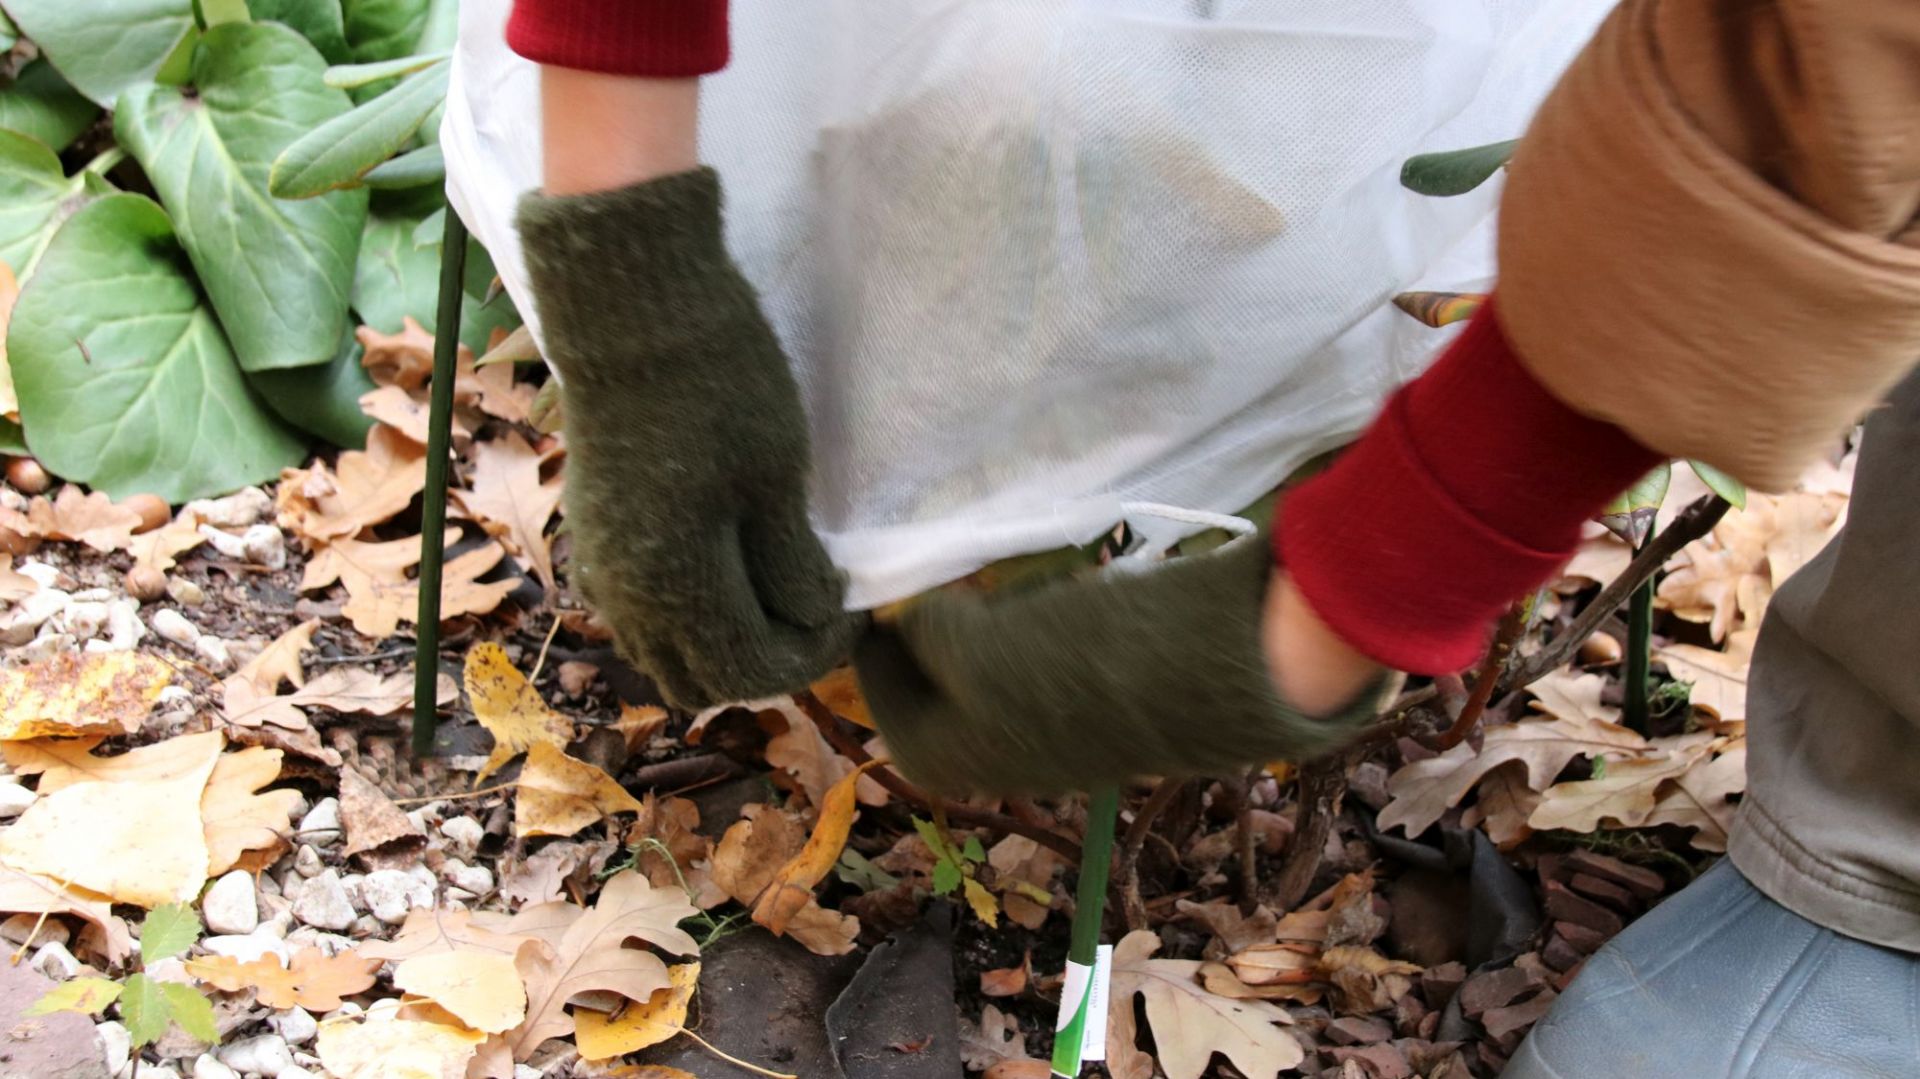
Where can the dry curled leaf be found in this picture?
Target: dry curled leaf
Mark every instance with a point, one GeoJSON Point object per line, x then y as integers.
{"type": "Point", "coordinates": [365, 488]}
{"type": "Point", "coordinates": [558, 795]}
{"type": "Point", "coordinates": [508, 706]}
{"type": "Point", "coordinates": [791, 889]}
{"type": "Point", "coordinates": [799, 750]}
{"type": "Point", "coordinates": [642, 1023]}
{"type": "Point", "coordinates": [240, 818]}
{"type": "Point", "coordinates": [1622, 797]}
{"type": "Point", "coordinates": [279, 661]}
{"type": "Point", "coordinates": [1190, 1024]}
{"type": "Point", "coordinates": [314, 980]}
{"type": "Point", "coordinates": [90, 518]}
{"type": "Point", "coordinates": [74, 694]}
{"type": "Point", "coordinates": [380, 595]}
{"type": "Point", "coordinates": [1703, 798]}
{"type": "Point", "coordinates": [371, 820]}
{"type": "Point", "coordinates": [511, 501]}
{"type": "Point", "coordinates": [340, 689]}
{"type": "Point", "coordinates": [751, 854]}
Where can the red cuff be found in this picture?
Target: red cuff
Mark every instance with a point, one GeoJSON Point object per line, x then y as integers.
{"type": "Point", "coordinates": [1469, 490]}
{"type": "Point", "coordinates": [661, 39]}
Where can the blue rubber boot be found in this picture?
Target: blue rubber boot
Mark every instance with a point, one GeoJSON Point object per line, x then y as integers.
{"type": "Point", "coordinates": [1721, 982]}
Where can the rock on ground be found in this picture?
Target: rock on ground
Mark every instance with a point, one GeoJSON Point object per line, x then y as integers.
{"type": "Point", "coordinates": [62, 1045]}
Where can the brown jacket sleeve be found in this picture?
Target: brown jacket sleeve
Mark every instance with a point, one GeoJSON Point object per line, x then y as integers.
{"type": "Point", "coordinates": [1709, 234]}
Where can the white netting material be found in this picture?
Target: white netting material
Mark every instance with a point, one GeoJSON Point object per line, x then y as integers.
{"type": "Point", "coordinates": [1034, 259]}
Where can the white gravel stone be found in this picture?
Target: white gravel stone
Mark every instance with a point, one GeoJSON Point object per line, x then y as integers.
{"type": "Point", "coordinates": [14, 799]}
{"type": "Point", "coordinates": [463, 835]}
{"type": "Point", "coordinates": [330, 944]}
{"type": "Point", "coordinates": [53, 960]}
{"type": "Point", "coordinates": [322, 902]}
{"type": "Point", "coordinates": [118, 1045]}
{"type": "Point", "coordinates": [391, 893]}
{"type": "Point", "coordinates": [185, 592]}
{"type": "Point", "coordinates": [158, 1071]}
{"type": "Point", "coordinates": [124, 628]}
{"type": "Point", "coordinates": [20, 623]}
{"type": "Point", "coordinates": [237, 510]}
{"type": "Point", "coordinates": [296, 1025]}
{"type": "Point", "coordinates": [229, 906]}
{"type": "Point", "coordinates": [174, 697]}
{"type": "Point", "coordinates": [295, 1071]}
{"type": "Point", "coordinates": [525, 1071]}
{"type": "Point", "coordinates": [321, 825]}
{"type": "Point", "coordinates": [477, 879]}
{"type": "Point", "coordinates": [208, 1066]}
{"type": "Point", "coordinates": [84, 620]}
{"type": "Point", "coordinates": [171, 969]}
{"type": "Point", "coordinates": [307, 862]}
{"type": "Point", "coordinates": [265, 1054]}
{"type": "Point", "coordinates": [39, 573]}
{"type": "Point", "coordinates": [247, 947]}
{"type": "Point", "coordinates": [263, 545]}
{"type": "Point", "coordinates": [173, 626]}
{"type": "Point", "coordinates": [213, 652]}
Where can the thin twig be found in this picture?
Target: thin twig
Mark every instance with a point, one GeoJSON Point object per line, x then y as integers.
{"type": "Point", "coordinates": [958, 813]}
{"type": "Point", "coordinates": [1128, 869]}
{"type": "Point", "coordinates": [1694, 522]}
{"type": "Point", "coordinates": [370, 657]}
{"type": "Point", "coordinates": [544, 645]}
{"type": "Point", "coordinates": [1243, 822]}
{"type": "Point", "coordinates": [734, 1060]}
{"type": "Point", "coordinates": [1488, 676]}
{"type": "Point", "coordinates": [1323, 783]}
{"type": "Point", "coordinates": [454, 797]}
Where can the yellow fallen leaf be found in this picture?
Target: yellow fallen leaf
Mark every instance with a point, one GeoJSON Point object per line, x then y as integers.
{"type": "Point", "coordinates": [396, 1049]}
{"type": "Point", "coordinates": [558, 795]}
{"type": "Point", "coordinates": [239, 817]}
{"type": "Point", "coordinates": [30, 893]}
{"type": "Point", "coordinates": [143, 839]}
{"type": "Point", "coordinates": [985, 906]}
{"type": "Point", "coordinates": [80, 694]}
{"type": "Point", "coordinates": [314, 981]}
{"type": "Point", "coordinates": [791, 889]}
{"type": "Point", "coordinates": [638, 723]}
{"type": "Point", "coordinates": [839, 690]}
{"type": "Point", "coordinates": [508, 706]}
{"type": "Point", "coordinates": [481, 989]}
{"type": "Point", "coordinates": [61, 763]}
{"type": "Point", "coordinates": [601, 1037]}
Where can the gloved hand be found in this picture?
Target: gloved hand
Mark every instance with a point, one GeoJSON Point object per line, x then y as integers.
{"type": "Point", "coordinates": [1087, 681]}
{"type": "Point", "coordinates": [687, 445]}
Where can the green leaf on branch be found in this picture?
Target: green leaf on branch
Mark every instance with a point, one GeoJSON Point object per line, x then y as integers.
{"type": "Point", "coordinates": [105, 48]}
{"type": "Point", "coordinates": [319, 21]}
{"type": "Point", "coordinates": [90, 996]}
{"type": "Point", "coordinates": [124, 379]}
{"type": "Point", "coordinates": [1631, 516]}
{"type": "Point", "coordinates": [42, 104]}
{"type": "Point", "coordinates": [279, 273]}
{"type": "Point", "coordinates": [169, 930]}
{"type": "Point", "coordinates": [144, 1009]}
{"type": "Point", "coordinates": [324, 399]}
{"type": "Point", "coordinates": [415, 168]}
{"type": "Point", "coordinates": [35, 195]}
{"type": "Point", "coordinates": [1455, 172]}
{"type": "Point", "coordinates": [1720, 483]}
{"type": "Point", "coordinates": [337, 153]}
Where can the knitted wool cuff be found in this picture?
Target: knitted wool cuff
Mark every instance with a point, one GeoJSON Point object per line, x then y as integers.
{"type": "Point", "coordinates": [658, 39]}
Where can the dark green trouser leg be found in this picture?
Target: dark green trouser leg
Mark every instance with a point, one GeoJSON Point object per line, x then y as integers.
{"type": "Point", "coordinates": [433, 508]}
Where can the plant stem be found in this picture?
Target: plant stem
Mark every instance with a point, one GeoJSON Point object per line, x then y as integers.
{"type": "Point", "coordinates": [105, 162]}
{"type": "Point", "coordinates": [1090, 904]}
{"type": "Point", "coordinates": [433, 498]}
{"type": "Point", "coordinates": [1639, 656]}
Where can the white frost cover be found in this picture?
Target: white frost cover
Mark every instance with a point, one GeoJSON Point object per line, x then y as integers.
{"type": "Point", "coordinates": [1036, 258]}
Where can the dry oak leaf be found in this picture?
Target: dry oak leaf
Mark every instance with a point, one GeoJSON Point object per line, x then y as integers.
{"type": "Point", "coordinates": [240, 817]}
{"type": "Point", "coordinates": [1503, 804]}
{"type": "Point", "coordinates": [1624, 796]}
{"type": "Point", "coordinates": [1719, 679]}
{"type": "Point", "coordinates": [394, 1048]}
{"type": "Point", "coordinates": [144, 843]}
{"type": "Point", "coordinates": [370, 818]}
{"type": "Point", "coordinates": [554, 868]}
{"type": "Point", "coordinates": [31, 893]}
{"type": "Point", "coordinates": [559, 795]}
{"type": "Point", "coordinates": [751, 853]}
{"type": "Point", "coordinates": [406, 411]}
{"type": "Point", "coordinates": [674, 823]}
{"type": "Point", "coordinates": [798, 749]}
{"type": "Point", "coordinates": [279, 661]}
{"type": "Point", "coordinates": [341, 689]}
{"type": "Point", "coordinates": [157, 549]}
{"type": "Point", "coordinates": [1233, 930]}
{"type": "Point", "coordinates": [1275, 964]}
{"type": "Point", "coordinates": [839, 690]}
{"type": "Point", "coordinates": [91, 693]}
{"type": "Point", "coordinates": [791, 889]}
{"type": "Point", "coordinates": [464, 967]}
{"type": "Point", "coordinates": [995, 1039]}
{"type": "Point", "coordinates": [1220, 980]}
{"type": "Point", "coordinates": [1024, 870]}
{"type": "Point", "coordinates": [491, 389]}
{"type": "Point", "coordinates": [602, 1037]}
{"type": "Point", "coordinates": [365, 488]}
{"type": "Point", "coordinates": [90, 518]}
{"type": "Point", "coordinates": [314, 980]}
{"type": "Point", "coordinates": [508, 706]}
{"type": "Point", "coordinates": [1702, 798]}
{"type": "Point", "coordinates": [1190, 1024]}
{"type": "Point", "coordinates": [590, 955]}
{"type": "Point", "coordinates": [403, 359]}
{"type": "Point", "coordinates": [1363, 980]}
{"type": "Point", "coordinates": [380, 595]}
{"type": "Point", "coordinates": [511, 501]}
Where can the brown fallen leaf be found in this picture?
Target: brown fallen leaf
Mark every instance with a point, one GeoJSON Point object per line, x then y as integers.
{"type": "Point", "coordinates": [31, 893]}
{"type": "Point", "coordinates": [639, 724]}
{"type": "Point", "coordinates": [491, 390]}
{"type": "Point", "coordinates": [798, 749]}
{"type": "Point", "coordinates": [590, 954]}
{"type": "Point", "coordinates": [1625, 795]}
{"type": "Point", "coordinates": [549, 872]}
{"type": "Point", "coordinates": [157, 549]}
{"type": "Point", "coordinates": [406, 411]}
{"type": "Point", "coordinates": [90, 518]}
{"type": "Point", "coordinates": [602, 1037]}
{"type": "Point", "coordinates": [1235, 931]}
{"type": "Point", "coordinates": [1718, 678]}
{"type": "Point", "coordinates": [1220, 980]}
{"type": "Point", "coordinates": [240, 818]}
{"type": "Point", "coordinates": [314, 980]}
{"type": "Point", "coordinates": [1024, 872]}
{"type": "Point", "coordinates": [508, 706]}
{"type": "Point", "coordinates": [791, 889]}
{"type": "Point", "coordinates": [62, 763]}
{"type": "Point", "coordinates": [75, 694]}
{"type": "Point", "coordinates": [479, 989]}
{"type": "Point", "coordinates": [995, 1039]}
{"type": "Point", "coordinates": [1502, 803]}
{"type": "Point", "coordinates": [1363, 980]}
{"type": "Point", "coordinates": [511, 501]}
{"type": "Point", "coordinates": [674, 824]}
{"type": "Point", "coordinates": [1275, 964]}
{"type": "Point", "coordinates": [839, 690]}
{"type": "Point", "coordinates": [365, 488]}
{"type": "Point", "coordinates": [341, 689]}
{"type": "Point", "coordinates": [1702, 797]}
{"type": "Point", "coordinates": [558, 795]}
{"type": "Point", "coordinates": [279, 661]}
{"type": "Point", "coordinates": [1007, 981]}
{"type": "Point", "coordinates": [749, 856]}
{"type": "Point", "coordinates": [373, 824]}
{"type": "Point", "coordinates": [403, 359]}
{"type": "Point", "coordinates": [1190, 1024]}
{"type": "Point", "coordinates": [380, 595]}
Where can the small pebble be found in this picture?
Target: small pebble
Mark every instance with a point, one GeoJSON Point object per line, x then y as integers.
{"type": "Point", "coordinates": [463, 835]}
{"type": "Point", "coordinates": [158, 1071]}
{"type": "Point", "coordinates": [213, 651]}
{"type": "Point", "coordinates": [237, 510]}
{"type": "Point", "coordinates": [84, 619]}
{"type": "Point", "coordinates": [185, 592]}
{"type": "Point", "coordinates": [477, 879]}
{"type": "Point", "coordinates": [389, 894]}
{"type": "Point", "coordinates": [229, 906]}
{"type": "Point", "coordinates": [172, 626]}
{"type": "Point", "coordinates": [307, 863]}
{"type": "Point", "coordinates": [145, 583]}
{"type": "Point", "coordinates": [322, 902]}
{"type": "Point", "coordinates": [266, 1054]}
{"type": "Point", "coordinates": [321, 825]}
{"type": "Point", "coordinates": [263, 545]}
{"type": "Point", "coordinates": [296, 1025]}
{"type": "Point", "coordinates": [248, 947]}
{"type": "Point", "coordinates": [31, 612]}
{"type": "Point", "coordinates": [124, 628]}
{"type": "Point", "coordinates": [117, 1043]}
{"type": "Point", "coordinates": [54, 961]}
{"type": "Point", "coordinates": [171, 969]}
{"type": "Point", "coordinates": [208, 1066]}
{"type": "Point", "coordinates": [295, 1071]}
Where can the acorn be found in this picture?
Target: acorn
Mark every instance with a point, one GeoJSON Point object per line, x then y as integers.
{"type": "Point", "coordinates": [146, 584]}
{"type": "Point", "coordinates": [153, 510]}
{"type": "Point", "coordinates": [27, 477]}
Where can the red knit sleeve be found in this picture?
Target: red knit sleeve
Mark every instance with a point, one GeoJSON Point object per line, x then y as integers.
{"type": "Point", "coordinates": [643, 38]}
{"type": "Point", "coordinates": [1468, 490]}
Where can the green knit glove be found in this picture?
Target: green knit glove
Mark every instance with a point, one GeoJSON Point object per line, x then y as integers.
{"type": "Point", "coordinates": [687, 445]}
{"type": "Point", "coordinates": [1090, 681]}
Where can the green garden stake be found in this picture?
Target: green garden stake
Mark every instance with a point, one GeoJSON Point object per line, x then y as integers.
{"type": "Point", "coordinates": [1083, 1000]}
{"type": "Point", "coordinates": [433, 499]}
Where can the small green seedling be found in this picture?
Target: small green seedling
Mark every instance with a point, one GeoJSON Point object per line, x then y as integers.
{"type": "Point", "coordinates": [147, 1005]}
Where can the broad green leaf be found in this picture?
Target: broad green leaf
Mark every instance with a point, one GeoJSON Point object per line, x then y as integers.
{"type": "Point", "coordinates": [319, 21]}
{"type": "Point", "coordinates": [415, 168]}
{"type": "Point", "coordinates": [40, 103]}
{"type": "Point", "coordinates": [397, 277]}
{"type": "Point", "coordinates": [441, 27]}
{"type": "Point", "coordinates": [383, 29]}
{"type": "Point", "coordinates": [1720, 483]}
{"type": "Point", "coordinates": [337, 153]}
{"type": "Point", "coordinates": [354, 76]}
{"type": "Point", "coordinates": [216, 12]}
{"type": "Point", "coordinates": [104, 47]}
{"type": "Point", "coordinates": [324, 399]}
{"type": "Point", "coordinates": [170, 929]}
{"type": "Point", "coordinates": [1631, 516]}
{"type": "Point", "coordinates": [9, 33]}
{"type": "Point", "coordinates": [88, 995]}
{"type": "Point", "coordinates": [14, 440]}
{"type": "Point", "coordinates": [193, 1011]}
{"type": "Point", "coordinates": [144, 1009]}
{"type": "Point", "coordinates": [35, 196]}
{"type": "Point", "coordinates": [124, 379]}
{"type": "Point", "coordinates": [279, 273]}
{"type": "Point", "coordinates": [1455, 172]}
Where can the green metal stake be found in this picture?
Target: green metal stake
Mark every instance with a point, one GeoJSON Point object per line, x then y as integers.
{"type": "Point", "coordinates": [433, 500]}
{"type": "Point", "coordinates": [1090, 908]}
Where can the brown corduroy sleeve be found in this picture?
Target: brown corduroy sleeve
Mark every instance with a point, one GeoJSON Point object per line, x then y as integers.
{"type": "Point", "coordinates": [1709, 233]}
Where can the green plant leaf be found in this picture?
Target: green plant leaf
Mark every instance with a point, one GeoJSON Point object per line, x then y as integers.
{"type": "Point", "coordinates": [170, 929]}
{"type": "Point", "coordinates": [946, 877]}
{"type": "Point", "coordinates": [217, 12]}
{"type": "Point", "coordinates": [1720, 483]}
{"type": "Point", "coordinates": [397, 277]}
{"type": "Point", "coordinates": [1631, 516]}
{"type": "Point", "coordinates": [143, 1008]}
{"type": "Point", "coordinates": [35, 195]}
{"type": "Point", "coordinates": [937, 843]}
{"type": "Point", "coordinates": [104, 48]}
{"type": "Point", "coordinates": [973, 851]}
{"type": "Point", "coordinates": [858, 870]}
{"type": "Point", "coordinates": [86, 995]}
{"type": "Point", "coordinates": [12, 438]}
{"type": "Point", "coordinates": [337, 153]}
{"type": "Point", "coordinates": [1455, 172]}
{"type": "Point", "coordinates": [319, 21]}
{"type": "Point", "coordinates": [124, 379]}
{"type": "Point", "coordinates": [355, 76]}
{"type": "Point", "coordinates": [324, 399]}
{"type": "Point", "coordinates": [192, 1010]}
{"type": "Point", "coordinates": [42, 104]}
{"type": "Point", "coordinates": [416, 168]}
{"type": "Point", "coordinates": [279, 273]}
{"type": "Point", "coordinates": [9, 33]}
{"type": "Point", "coordinates": [383, 29]}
